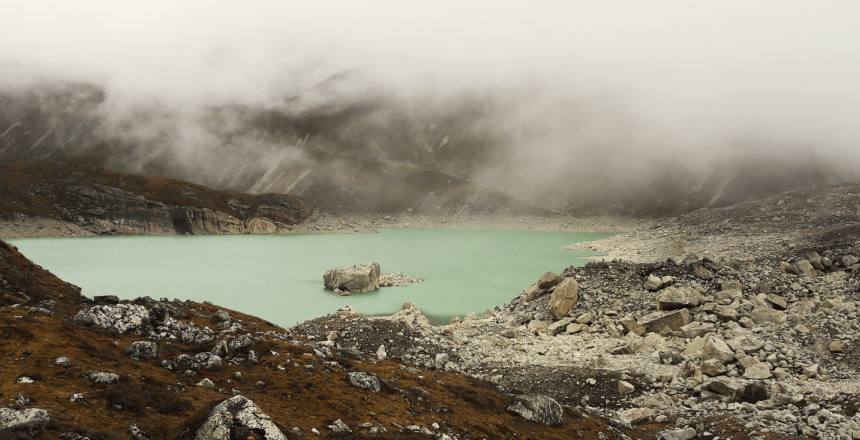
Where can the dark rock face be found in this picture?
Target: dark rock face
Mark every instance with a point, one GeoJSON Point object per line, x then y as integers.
{"type": "Point", "coordinates": [104, 202]}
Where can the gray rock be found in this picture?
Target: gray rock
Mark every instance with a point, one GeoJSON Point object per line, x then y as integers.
{"type": "Point", "coordinates": [241, 343]}
{"type": "Point", "coordinates": [688, 433]}
{"type": "Point", "coordinates": [103, 377]}
{"type": "Point", "coordinates": [652, 283]}
{"type": "Point", "coordinates": [747, 343]}
{"type": "Point", "coordinates": [359, 278]}
{"type": "Point", "coordinates": [766, 315]}
{"type": "Point", "coordinates": [716, 348]}
{"type": "Point", "coordinates": [538, 409]}
{"type": "Point", "coordinates": [548, 280]}
{"type": "Point", "coordinates": [625, 387]}
{"type": "Point", "coordinates": [339, 426]}
{"type": "Point", "coordinates": [440, 360]}
{"type": "Point", "coordinates": [63, 362]}
{"type": "Point", "coordinates": [30, 419]}
{"type": "Point", "coordinates": [222, 316]}
{"type": "Point", "coordinates": [238, 412]}
{"type": "Point", "coordinates": [364, 381]}
{"type": "Point", "coordinates": [564, 297]}
{"type": "Point", "coordinates": [538, 326]}
{"type": "Point", "coordinates": [206, 383]}
{"type": "Point", "coordinates": [805, 268]}
{"type": "Point", "coordinates": [696, 329]}
{"type": "Point", "coordinates": [634, 416]}
{"type": "Point", "coordinates": [724, 387]}
{"type": "Point", "coordinates": [758, 370]}
{"type": "Point", "coordinates": [122, 318]}
{"type": "Point", "coordinates": [776, 301]}
{"type": "Point", "coordinates": [702, 272]}
{"type": "Point", "coordinates": [559, 326]}
{"type": "Point", "coordinates": [678, 297]}
{"type": "Point", "coordinates": [663, 322]}
{"type": "Point", "coordinates": [142, 350]}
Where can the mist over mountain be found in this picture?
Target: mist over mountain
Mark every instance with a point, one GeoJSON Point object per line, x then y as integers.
{"type": "Point", "coordinates": [384, 106]}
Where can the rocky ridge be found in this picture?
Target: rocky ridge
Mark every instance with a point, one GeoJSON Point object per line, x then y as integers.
{"type": "Point", "coordinates": [97, 201]}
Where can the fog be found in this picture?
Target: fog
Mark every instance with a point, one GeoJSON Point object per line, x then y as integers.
{"type": "Point", "coordinates": [567, 104]}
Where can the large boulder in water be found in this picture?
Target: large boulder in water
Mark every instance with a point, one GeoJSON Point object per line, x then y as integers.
{"type": "Point", "coordinates": [359, 278]}
{"type": "Point", "coordinates": [238, 417]}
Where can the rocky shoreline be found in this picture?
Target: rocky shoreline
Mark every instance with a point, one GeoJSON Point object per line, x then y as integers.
{"type": "Point", "coordinates": [756, 337]}
{"type": "Point", "coordinates": [756, 340]}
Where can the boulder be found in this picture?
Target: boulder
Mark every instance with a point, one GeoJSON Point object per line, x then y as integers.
{"type": "Point", "coordinates": [678, 297]}
{"type": "Point", "coordinates": [713, 367]}
{"type": "Point", "coordinates": [563, 298]}
{"type": "Point", "coordinates": [548, 280]}
{"type": "Point", "coordinates": [625, 387]}
{"type": "Point", "coordinates": [142, 350]}
{"type": "Point", "coordinates": [724, 387]}
{"type": "Point", "coordinates": [653, 283]}
{"type": "Point", "coordinates": [688, 433]}
{"type": "Point", "coordinates": [754, 392]}
{"type": "Point", "coordinates": [759, 370]}
{"type": "Point", "coordinates": [236, 414]}
{"type": "Point", "coordinates": [776, 301]}
{"type": "Point", "coordinates": [532, 292]}
{"type": "Point", "coordinates": [727, 312]}
{"type": "Point", "coordinates": [122, 318]}
{"type": "Point", "coordinates": [359, 278]}
{"type": "Point", "coordinates": [716, 348]}
{"type": "Point", "coordinates": [696, 328]}
{"type": "Point", "coordinates": [805, 268]}
{"type": "Point", "coordinates": [766, 315]}
{"type": "Point", "coordinates": [364, 381]}
{"type": "Point", "coordinates": [702, 272]}
{"type": "Point", "coordinates": [663, 322]}
{"type": "Point", "coordinates": [747, 343]}
{"type": "Point", "coordinates": [103, 377]}
{"type": "Point", "coordinates": [29, 420]}
{"type": "Point", "coordinates": [539, 409]}
{"type": "Point", "coordinates": [559, 326]}
{"type": "Point", "coordinates": [538, 326]}
{"type": "Point", "coordinates": [635, 416]}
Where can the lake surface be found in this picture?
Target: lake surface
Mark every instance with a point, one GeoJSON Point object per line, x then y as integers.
{"type": "Point", "coordinates": [279, 277]}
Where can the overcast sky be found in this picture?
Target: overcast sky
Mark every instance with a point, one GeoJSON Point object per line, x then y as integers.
{"type": "Point", "coordinates": [659, 74]}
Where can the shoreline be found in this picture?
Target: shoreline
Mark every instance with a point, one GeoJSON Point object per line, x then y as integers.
{"type": "Point", "coordinates": [321, 223]}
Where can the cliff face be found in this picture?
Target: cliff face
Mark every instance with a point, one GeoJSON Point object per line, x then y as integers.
{"type": "Point", "coordinates": [105, 202]}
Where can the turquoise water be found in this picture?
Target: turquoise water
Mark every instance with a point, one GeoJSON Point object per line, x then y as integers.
{"type": "Point", "coordinates": [279, 277]}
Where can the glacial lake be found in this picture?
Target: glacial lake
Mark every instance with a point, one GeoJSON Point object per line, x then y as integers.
{"type": "Point", "coordinates": [279, 277]}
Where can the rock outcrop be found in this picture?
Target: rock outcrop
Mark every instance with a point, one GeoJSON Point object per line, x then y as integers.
{"type": "Point", "coordinates": [104, 202]}
{"type": "Point", "coordinates": [28, 420]}
{"type": "Point", "coordinates": [359, 278]}
{"type": "Point", "coordinates": [538, 409]}
{"type": "Point", "coordinates": [238, 416]}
